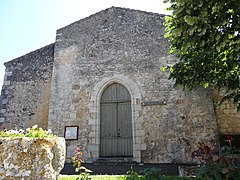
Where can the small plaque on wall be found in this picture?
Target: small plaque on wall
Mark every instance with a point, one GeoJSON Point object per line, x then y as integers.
{"type": "Point", "coordinates": [153, 103]}
{"type": "Point", "coordinates": [71, 132]}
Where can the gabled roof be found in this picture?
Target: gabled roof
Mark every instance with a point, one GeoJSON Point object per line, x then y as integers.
{"type": "Point", "coordinates": [106, 11]}
{"type": "Point", "coordinates": [101, 14]}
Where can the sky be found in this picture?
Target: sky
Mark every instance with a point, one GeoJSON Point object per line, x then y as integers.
{"type": "Point", "coordinates": [27, 25]}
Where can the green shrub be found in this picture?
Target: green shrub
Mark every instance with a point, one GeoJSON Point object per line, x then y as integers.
{"type": "Point", "coordinates": [152, 173]}
{"type": "Point", "coordinates": [33, 132]}
{"type": "Point", "coordinates": [219, 164]}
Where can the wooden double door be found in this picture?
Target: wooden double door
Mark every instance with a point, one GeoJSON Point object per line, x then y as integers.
{"type": "Point", "coordinates": [116, 122]}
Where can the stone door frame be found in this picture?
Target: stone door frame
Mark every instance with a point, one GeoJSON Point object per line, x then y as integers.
{"type": "Point", "coordinates": [94, 121]}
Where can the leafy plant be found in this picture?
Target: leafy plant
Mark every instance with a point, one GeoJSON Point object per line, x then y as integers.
{"type": "Point", "coordinates": [33, 132]}
{"type": "Point", "coordinates": [217, 164]}
{"type": "Point", "coordinates": [148, 174]}
{"type": "Point", "coordinates": [133, 175]}
{"type": "Point", "coordinates": [84, 173]}
{"type": "Point", "coordinates": [205, 35]}
{"type": "Point", "coordinates": [152, 173]}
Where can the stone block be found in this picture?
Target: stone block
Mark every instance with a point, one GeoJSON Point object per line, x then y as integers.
{"type": "Point", "coordinates": [137, 154]}
{"type": "Point", "coordinates": [2, 120]}
{"type": "Point", "coordinates": [93, 115]}
{"type": "Point", "coordinates": [6, 83]}
{"type": "Point", "coordinates": [138, 107]}
{"type": "Point", "coordinates": [140, 133]}
{"type": "Point", "coordinates": [73, 115]}
{"type": "Point", "coordinates": [92, 134]}
{"type": "Point", "coordinates": [9, 73]}
{"type": "Point", "coordinates": [92, 109]}
{"type": "Point", "coordinates": [143, 146]}
{"type": "Point", "coordinates": [137, 147]}
{"type": "Point", "coordinates": [4, 101]}
{"type": "Point", "coordinates": [138, 126]}
{"type": "Point", "coordinates": [137, 159]}
{"type": "Point", "coordinates": [31, 158]}
{"type": "Point", "coordinates": [92, 122]}
{"type": "Point", "coordinates": [138, 140]}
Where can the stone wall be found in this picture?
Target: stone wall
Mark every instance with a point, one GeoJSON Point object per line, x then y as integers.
{"type": "Point", "coordinates": [31, 158]}
{"type": "Point", "coordinates": [175, 129]}
{"type": "Point", "coordinates": [127, 47]}
{"type": "Point", "coordinates": [26, 90]}
{"type": "Point", "coordinates": [227, 115]}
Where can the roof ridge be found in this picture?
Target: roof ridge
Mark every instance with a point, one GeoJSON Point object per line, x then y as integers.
{"type": "Point", "coordinates": [104, 10]}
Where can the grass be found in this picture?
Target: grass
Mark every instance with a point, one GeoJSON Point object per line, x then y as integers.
{"type": "Point", "coordinates": [97, 177]}
{"type": "Point", "coordinates": [120, 177]}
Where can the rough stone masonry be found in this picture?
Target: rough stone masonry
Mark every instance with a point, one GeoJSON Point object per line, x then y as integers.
{"type": "Point", "coordinates": [31, 158]}
{"type": "Point", "coordinates": [62, 85]}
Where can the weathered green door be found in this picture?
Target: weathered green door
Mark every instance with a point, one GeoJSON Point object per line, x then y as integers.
{"type": "Point", "coordinates": [116, 122]}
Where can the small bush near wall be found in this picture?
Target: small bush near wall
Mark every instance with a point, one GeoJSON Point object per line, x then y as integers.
{"type": "Point", "coordinates": [31, 154]}
{"type": "Point", "coordinates": [33, 132]}
{"type": "Point", "coordinates": [217, 163]}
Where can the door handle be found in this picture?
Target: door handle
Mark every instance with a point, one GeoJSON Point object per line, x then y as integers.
{"type": "Point", "coordinates": [118, 134]}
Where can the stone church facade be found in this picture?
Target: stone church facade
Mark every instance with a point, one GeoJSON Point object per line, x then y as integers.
{"type": "Point", "coordinates": [103, 75]}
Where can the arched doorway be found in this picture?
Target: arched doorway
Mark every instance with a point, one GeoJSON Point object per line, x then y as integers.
{"type": "Point", "coordinates": [116, 122]}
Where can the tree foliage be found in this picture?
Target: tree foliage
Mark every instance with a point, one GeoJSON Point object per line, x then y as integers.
{"type": "Point", "coordinates": [205, 34]}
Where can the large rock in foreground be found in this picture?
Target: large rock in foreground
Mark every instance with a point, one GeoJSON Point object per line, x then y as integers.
{"type": "Point", "coordinates": [31, 158]}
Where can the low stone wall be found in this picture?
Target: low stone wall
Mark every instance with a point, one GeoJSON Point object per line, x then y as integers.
{"type": "Point", "coordinates": [31, 158]}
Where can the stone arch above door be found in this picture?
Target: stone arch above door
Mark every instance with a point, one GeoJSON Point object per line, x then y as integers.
{"type": "Point", "coordinates": [94, 121]}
